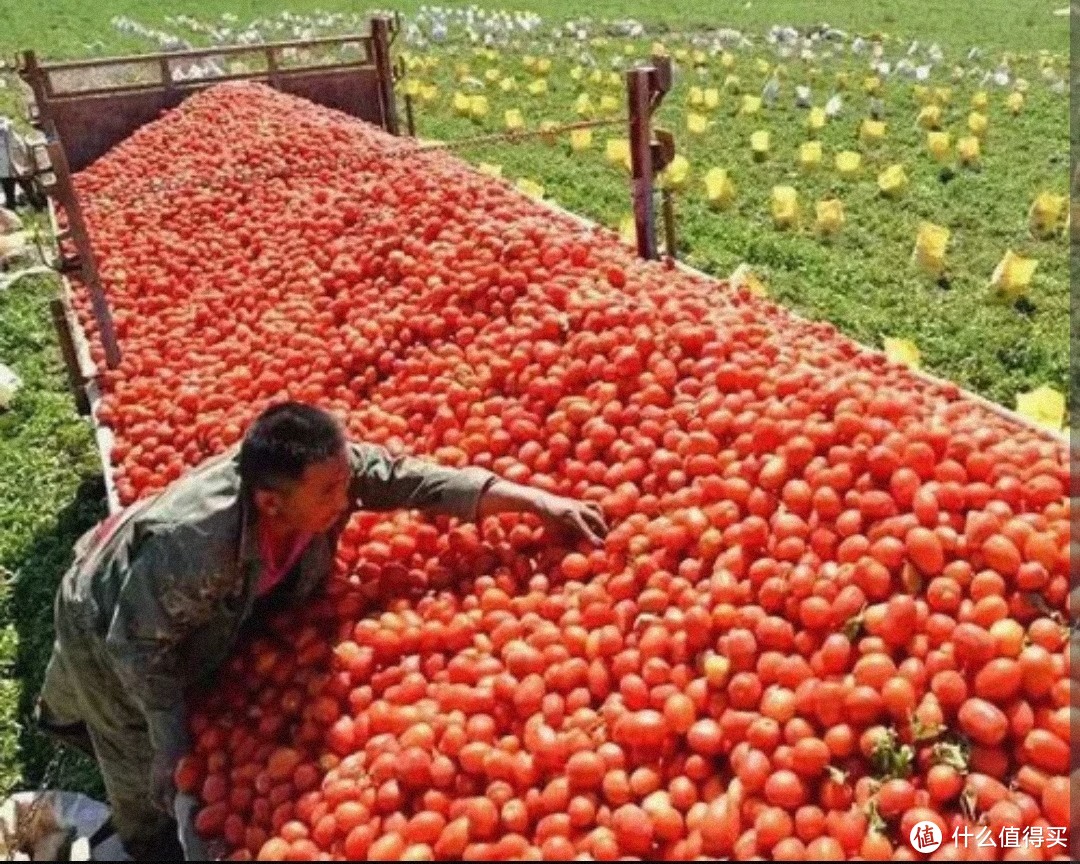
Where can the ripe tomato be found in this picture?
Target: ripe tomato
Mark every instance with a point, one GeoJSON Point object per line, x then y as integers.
{"type": "Point", "coordinates": [810, 550]}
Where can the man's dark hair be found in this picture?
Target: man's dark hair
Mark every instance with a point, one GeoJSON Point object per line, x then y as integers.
{"type": "Point", "coordinates": [284, 440]}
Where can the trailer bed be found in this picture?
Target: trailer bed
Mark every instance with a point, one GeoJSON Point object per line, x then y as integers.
{"type": "Point", "coordinates": [91, 105]}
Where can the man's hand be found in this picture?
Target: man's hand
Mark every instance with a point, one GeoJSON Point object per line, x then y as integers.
{"type": "Point", "coordinates": [162, 786]}
{"type": "Point", "coordinates": [577, 519]}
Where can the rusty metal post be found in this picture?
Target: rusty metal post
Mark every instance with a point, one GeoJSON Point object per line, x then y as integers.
{"type": "Point", "coordinates": [71, 359]}
{"type": "Point", "coordinates": [380, 40]}
{"type": "Point", "coordinates": [667, 201]}
{"type": "Point", "coordinates": [166, 72]}
{"type": "Point", "coordinates": [38, 81]}
{"type": "Point", "coordinates": [64, 191]}
{"type": "Point", "coordinates": [272, 67]}
{"type": "Point", "coordinates": [639, 97]}
{"type": "Point", "coordinates": [410, 121]}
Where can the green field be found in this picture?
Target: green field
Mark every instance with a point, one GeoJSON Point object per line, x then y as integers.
{"type": "Point", "coordinates": [63, 29]}
{"type": "Point", "coordinates": [862, 280]}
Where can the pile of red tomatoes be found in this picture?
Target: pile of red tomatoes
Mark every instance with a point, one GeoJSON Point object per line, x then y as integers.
{"type": "Point", "coordinates": [832, 605]}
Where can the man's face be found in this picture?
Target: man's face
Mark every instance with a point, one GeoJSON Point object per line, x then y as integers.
{"type": "Point", "coordinates": [319, 498]}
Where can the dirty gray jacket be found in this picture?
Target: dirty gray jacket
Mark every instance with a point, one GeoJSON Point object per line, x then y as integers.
{"type": "Point", "coordinates": [14, 156]}
{"type": "Point", "coordinates": [169, 585]}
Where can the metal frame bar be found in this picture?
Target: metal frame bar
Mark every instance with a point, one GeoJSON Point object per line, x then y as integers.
{"type": "Point", "coordinates": [272, 76]}
{"type": "Point", "coordinates": [38, 82]}
{"type": "Point", "coordinates": [524, 135]}
{"type": "Point", "coordinates": [76, 378]}
{"type": "Point", "coordinates": [103, 435]}
{"type": "Point", "coordinates": [272, 70]}
{"type": "Point", "coordinates": [64, 191]}
{"type": "Point", "coordinates": [381, 29]}
{"type": "Point", "coordinates": [639, 89]}
{"type": "Point", "coordinates": [400, 73]}
{"type": "Point", "coordinates": [667, 204]}
{"type": "Point", "coordinates": [195, 53]}
{"type": "Point", "coordinates": [376, 48]}
{"type": "Point", "coordinates": [62, 264]}
{"type": "Point", "coordinates": [646, 87]}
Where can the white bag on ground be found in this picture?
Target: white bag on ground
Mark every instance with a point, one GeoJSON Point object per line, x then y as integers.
{"type": "Point", "coordinates": [9, 386]}
{"type": "Point", "coordinates": [12, 245]}
{"type": "Point", "coordinates": [54, 825]}
{"type": "Point", "coordinates": [9, 221]}
{"type": "Point", "coordinates": [7, 279]}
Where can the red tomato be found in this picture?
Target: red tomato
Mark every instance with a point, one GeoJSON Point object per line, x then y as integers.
{"type": "Point", "coordinates": [983, 722]}
{"type": "Point", "coordinates": [808, 547]}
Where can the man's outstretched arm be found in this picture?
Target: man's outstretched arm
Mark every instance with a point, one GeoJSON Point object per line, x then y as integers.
{"type": "Point", "coordinates": [383, 482]}
{"type": "Point", "coordinates": [577, 518]}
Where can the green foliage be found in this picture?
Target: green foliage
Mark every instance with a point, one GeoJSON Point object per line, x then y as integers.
{"type": "Point", "coordinates": [863, 279]}
{"type": "Point", "coordinates": [49, 495]}
{"type": "Point", "coordinates": [65, 28]}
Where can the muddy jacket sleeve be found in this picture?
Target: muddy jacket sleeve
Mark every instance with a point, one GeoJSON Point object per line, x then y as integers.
{"type": "Point", "coordinates": [385, 482]}
{"type": "Point", "coordinates": [168, 591]}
